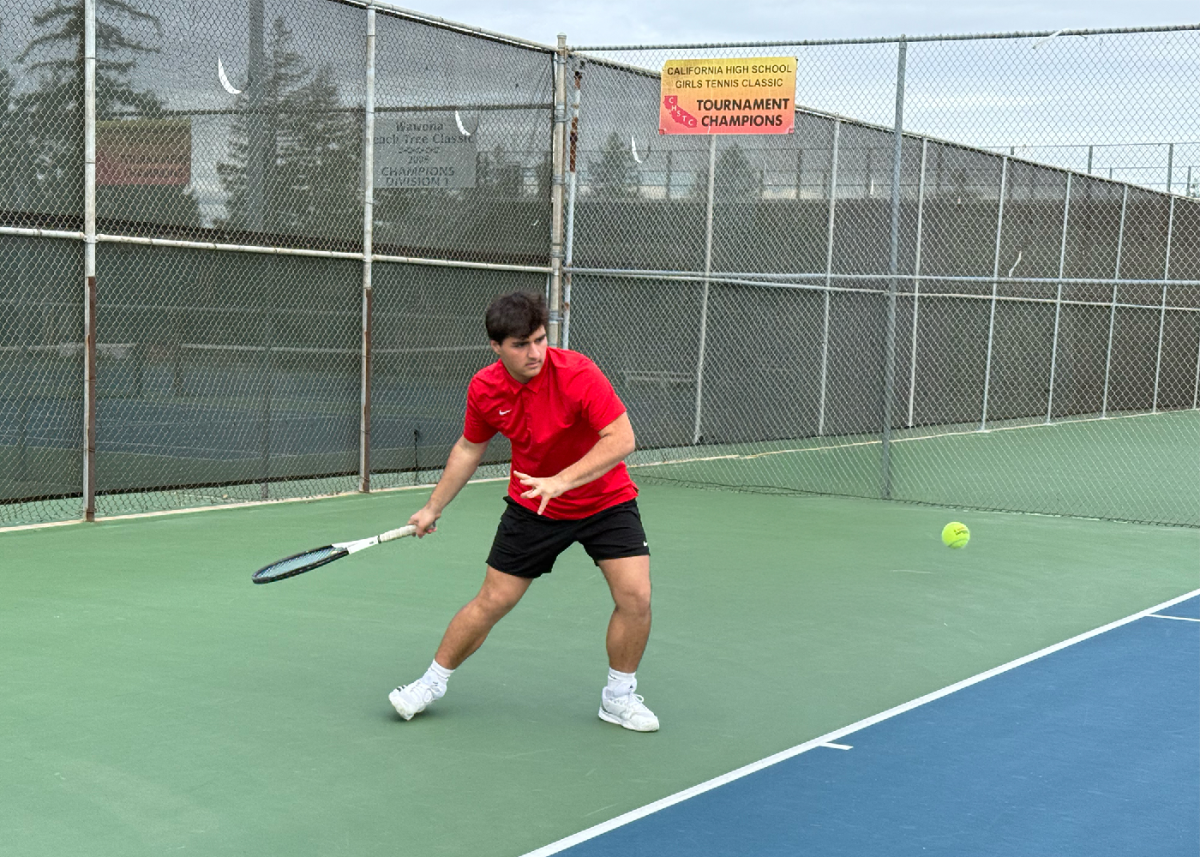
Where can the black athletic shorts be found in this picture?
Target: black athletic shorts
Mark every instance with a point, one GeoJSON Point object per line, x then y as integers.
{"type": "Point", "coordinates": [527, 543]}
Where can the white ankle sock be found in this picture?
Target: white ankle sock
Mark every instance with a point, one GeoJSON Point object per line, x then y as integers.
{"type": "Point", "coordinates": [437, 677]}
{"type": "Point", "coordinates": [619, 683]}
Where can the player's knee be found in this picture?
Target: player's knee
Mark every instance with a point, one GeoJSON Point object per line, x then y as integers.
{"type": "Point", "coordinates": [495, 604]}
{"type": "Point", "coordinates": [633, 600]}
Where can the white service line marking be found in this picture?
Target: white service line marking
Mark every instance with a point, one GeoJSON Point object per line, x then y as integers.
{"type": "Point", "coordinates": [1179, 618]}
{"type": "Point", "coordinates": [833, 746]}
{"type": "Point", "coordinates": [824, 740]}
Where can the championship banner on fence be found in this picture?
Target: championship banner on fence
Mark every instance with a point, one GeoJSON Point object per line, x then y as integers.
{"type": "Point", "coordinates": [724, 96]}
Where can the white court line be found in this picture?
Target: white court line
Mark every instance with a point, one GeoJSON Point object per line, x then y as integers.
{"type": "Point", "coordinates": [241, 504]}
{"type": "Point", "coordinates": [833, 746]}
{"type": "Point", "coordinates": [825, 740]}
{"type": "Point", "coordinates": [747, 456]}
{"type": "Point", "coordinates": [1178, 618]}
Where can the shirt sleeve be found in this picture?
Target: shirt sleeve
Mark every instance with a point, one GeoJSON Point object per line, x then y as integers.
{"type": "Point", "coordinates": [600, 402]}
{"type": "Point", "coordinates": [476, 429]}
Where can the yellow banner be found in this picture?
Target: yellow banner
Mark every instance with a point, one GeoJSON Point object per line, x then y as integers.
{"type": "Point", "coordinates": [728, 96]}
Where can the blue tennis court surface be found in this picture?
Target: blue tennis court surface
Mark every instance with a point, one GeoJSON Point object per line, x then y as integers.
{"type": "Point", "coordinates": [1088, 749]}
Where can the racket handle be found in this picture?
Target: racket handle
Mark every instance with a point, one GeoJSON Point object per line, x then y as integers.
{"type": "Point", "coordinates": [398, 533]}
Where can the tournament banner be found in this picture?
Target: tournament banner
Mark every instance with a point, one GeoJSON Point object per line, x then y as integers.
{"type": "Point", "coordinates": [728, 96]}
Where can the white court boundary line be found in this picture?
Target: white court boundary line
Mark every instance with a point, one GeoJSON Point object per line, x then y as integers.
{"type": "Point", "coordinates": [747, 456]}
{"type": "Point", "coordinates": [825, 740]}
{"type": "Point", "coordinates": [1176, 618]}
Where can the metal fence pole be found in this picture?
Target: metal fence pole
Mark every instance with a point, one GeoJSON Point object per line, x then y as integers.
{"type": "Point", "coordinates": [1170, 165]}
{"type": "Point", "coordinates": [708, 242]}
{"type": "Point", "coordinates": [364, 442]}
{"type": "Point", "coordinates": [558, 144]}
{"type": "Point", "coordinates": [1196, 386]}
{"type": "Point", "coordinates": [570, 249]}
{"type": "Point", "coordinates": [1112, 317]}
{"type": "Point", "coordinates": [1062, 263]}
{"type": "Point", "coordinates": [987, 370]}
{"type": "Point", "coordinates": [889, 347]}
{"type": "Point", "coordinates": [833, 183]}
{"type": "Point", "coordinates": [89, 260]}
{"type": "Point", "coordinates": [912, 368]}
{"type": "Point", "coordinates": [1162, 316]}
{"type": "Point", "coordinates": [260, 139]}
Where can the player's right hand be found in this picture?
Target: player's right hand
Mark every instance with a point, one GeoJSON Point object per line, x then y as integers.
{"type": "Point", "coordinates": [425, 520]}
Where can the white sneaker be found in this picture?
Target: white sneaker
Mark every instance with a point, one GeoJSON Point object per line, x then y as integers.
{"type": "Point", "coordinates": [411, 699]}
{"type": "Point", "coordinates": [628, 711]}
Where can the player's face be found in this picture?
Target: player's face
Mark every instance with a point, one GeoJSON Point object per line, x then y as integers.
{"type": "Point", "coordinates": [523, 356]}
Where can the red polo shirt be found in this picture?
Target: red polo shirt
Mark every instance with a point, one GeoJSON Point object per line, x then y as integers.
{"type": "Point", "coordinates": [553, 420]}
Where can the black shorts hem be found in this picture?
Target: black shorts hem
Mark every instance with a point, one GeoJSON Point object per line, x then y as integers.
{"type": "Point", "coordinates": [526, 544]}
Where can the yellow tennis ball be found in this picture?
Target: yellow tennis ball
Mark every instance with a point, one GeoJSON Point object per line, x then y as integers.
{"type": "Point", "coordinates": [955, 535]}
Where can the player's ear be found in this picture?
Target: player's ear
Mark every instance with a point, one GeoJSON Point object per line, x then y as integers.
{"type": "Point", "coordinates": [495, 346]}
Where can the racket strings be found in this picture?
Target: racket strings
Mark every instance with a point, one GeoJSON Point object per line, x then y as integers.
{"type": "Point", "coordinates": [299, 562]}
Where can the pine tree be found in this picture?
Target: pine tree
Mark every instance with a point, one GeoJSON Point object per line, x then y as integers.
{"type": "Point", "coordinates": [51, 115]}
{"type": "Point", "coordinates": [736, 177]}
{"type": "Point", "coordinates": [614, 175]}
{"type": "Point", "coordinates": [311, 183]}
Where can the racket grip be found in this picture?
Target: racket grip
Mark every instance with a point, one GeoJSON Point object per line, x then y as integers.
{"type": "Point", "coordinates": [398, 533]}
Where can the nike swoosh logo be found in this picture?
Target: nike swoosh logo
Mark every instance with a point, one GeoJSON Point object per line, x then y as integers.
{"type": "Point", "coordinates": [509, 411]}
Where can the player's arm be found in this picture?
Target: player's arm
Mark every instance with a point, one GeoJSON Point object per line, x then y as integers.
{"type": "Point", "coordinates": [616, 441]}
{"type": "Point", "coordinates": [460, 467]}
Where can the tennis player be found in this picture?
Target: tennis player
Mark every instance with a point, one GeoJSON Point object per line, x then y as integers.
{"type": "Point", "coordinates": [569, 483]}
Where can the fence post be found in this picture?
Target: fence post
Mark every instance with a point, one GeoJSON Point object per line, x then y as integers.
{"type": "Point", "coordinates": [912, 369]}
{"type": "Point", "coordinates": [558, 156]}
{"type": "Point", "coordinates": [1196, 386]}
{"type": "Point", "coordinates": [1162, 316]}
{"type": "Point", "coordinates": [570, 249]}
{"type": "Point", "coordinates": [1170, 165]}
{"type": "Point", "coordinates": [257, 156]}
{"type": "Point", "coordinates": [889, 347]}
{"type": "Point", "coordinates": [987, 370]}
{"type": "Point", "coordinates": [708, 243]}
{"type": "Point", "coordinates": [833, 183]}
{"type": "Point", "coordinates": [89, 260]}
{"type": "Point", "coordinates": [364, 448]}
{"type": "Point", "coordinates": [1062, 263]}
{"type": "Point", "coordinates": [1112, 317]}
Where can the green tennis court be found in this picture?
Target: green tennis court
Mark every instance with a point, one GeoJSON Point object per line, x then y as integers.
{"type": "Point", "coordinates": [155, 701]}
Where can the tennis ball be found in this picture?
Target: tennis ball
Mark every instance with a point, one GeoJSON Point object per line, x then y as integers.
{"type": "Point", "coordinates": [955, 535]}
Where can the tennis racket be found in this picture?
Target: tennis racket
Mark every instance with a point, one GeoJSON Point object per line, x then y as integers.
{"type": "Point", "coordinates": [317, 557]}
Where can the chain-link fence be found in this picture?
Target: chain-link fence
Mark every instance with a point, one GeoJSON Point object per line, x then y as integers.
{"type": "Point", "coordinates": [884, 303]}
{"type": "Point", "coordinates": [256, 267]}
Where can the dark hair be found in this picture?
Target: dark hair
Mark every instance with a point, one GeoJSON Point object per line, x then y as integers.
{"type": "Point", "coordinates": [517, 314]}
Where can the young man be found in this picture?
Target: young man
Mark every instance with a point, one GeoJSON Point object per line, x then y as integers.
{"type": "Point", "coordinates": [569, 483]}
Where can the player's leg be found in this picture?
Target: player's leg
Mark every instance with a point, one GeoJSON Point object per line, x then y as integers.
{"type": "Point", "coordinates": [467, 631]}
{"type": "Point", "coordinates": [471, 625]}
{"type": "Point", "coordinates": [616, 541]}
{"type": "Point", "coordinates": [525, 547]}
{"type": "Point", "coordinates": [629, 627]}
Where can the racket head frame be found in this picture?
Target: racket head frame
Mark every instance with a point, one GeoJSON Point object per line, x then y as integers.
{"type": "Point", "coordinates": [263, 575]}
{"type": "Point", "coordinates": [337, 551]}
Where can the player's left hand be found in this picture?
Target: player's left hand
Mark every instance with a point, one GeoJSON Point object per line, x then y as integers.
{"type": "Point", "coordinates": [546, 487]}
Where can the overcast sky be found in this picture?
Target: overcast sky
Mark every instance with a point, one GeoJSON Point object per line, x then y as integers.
{"type": "Point", "coordinates": [622, 22]}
